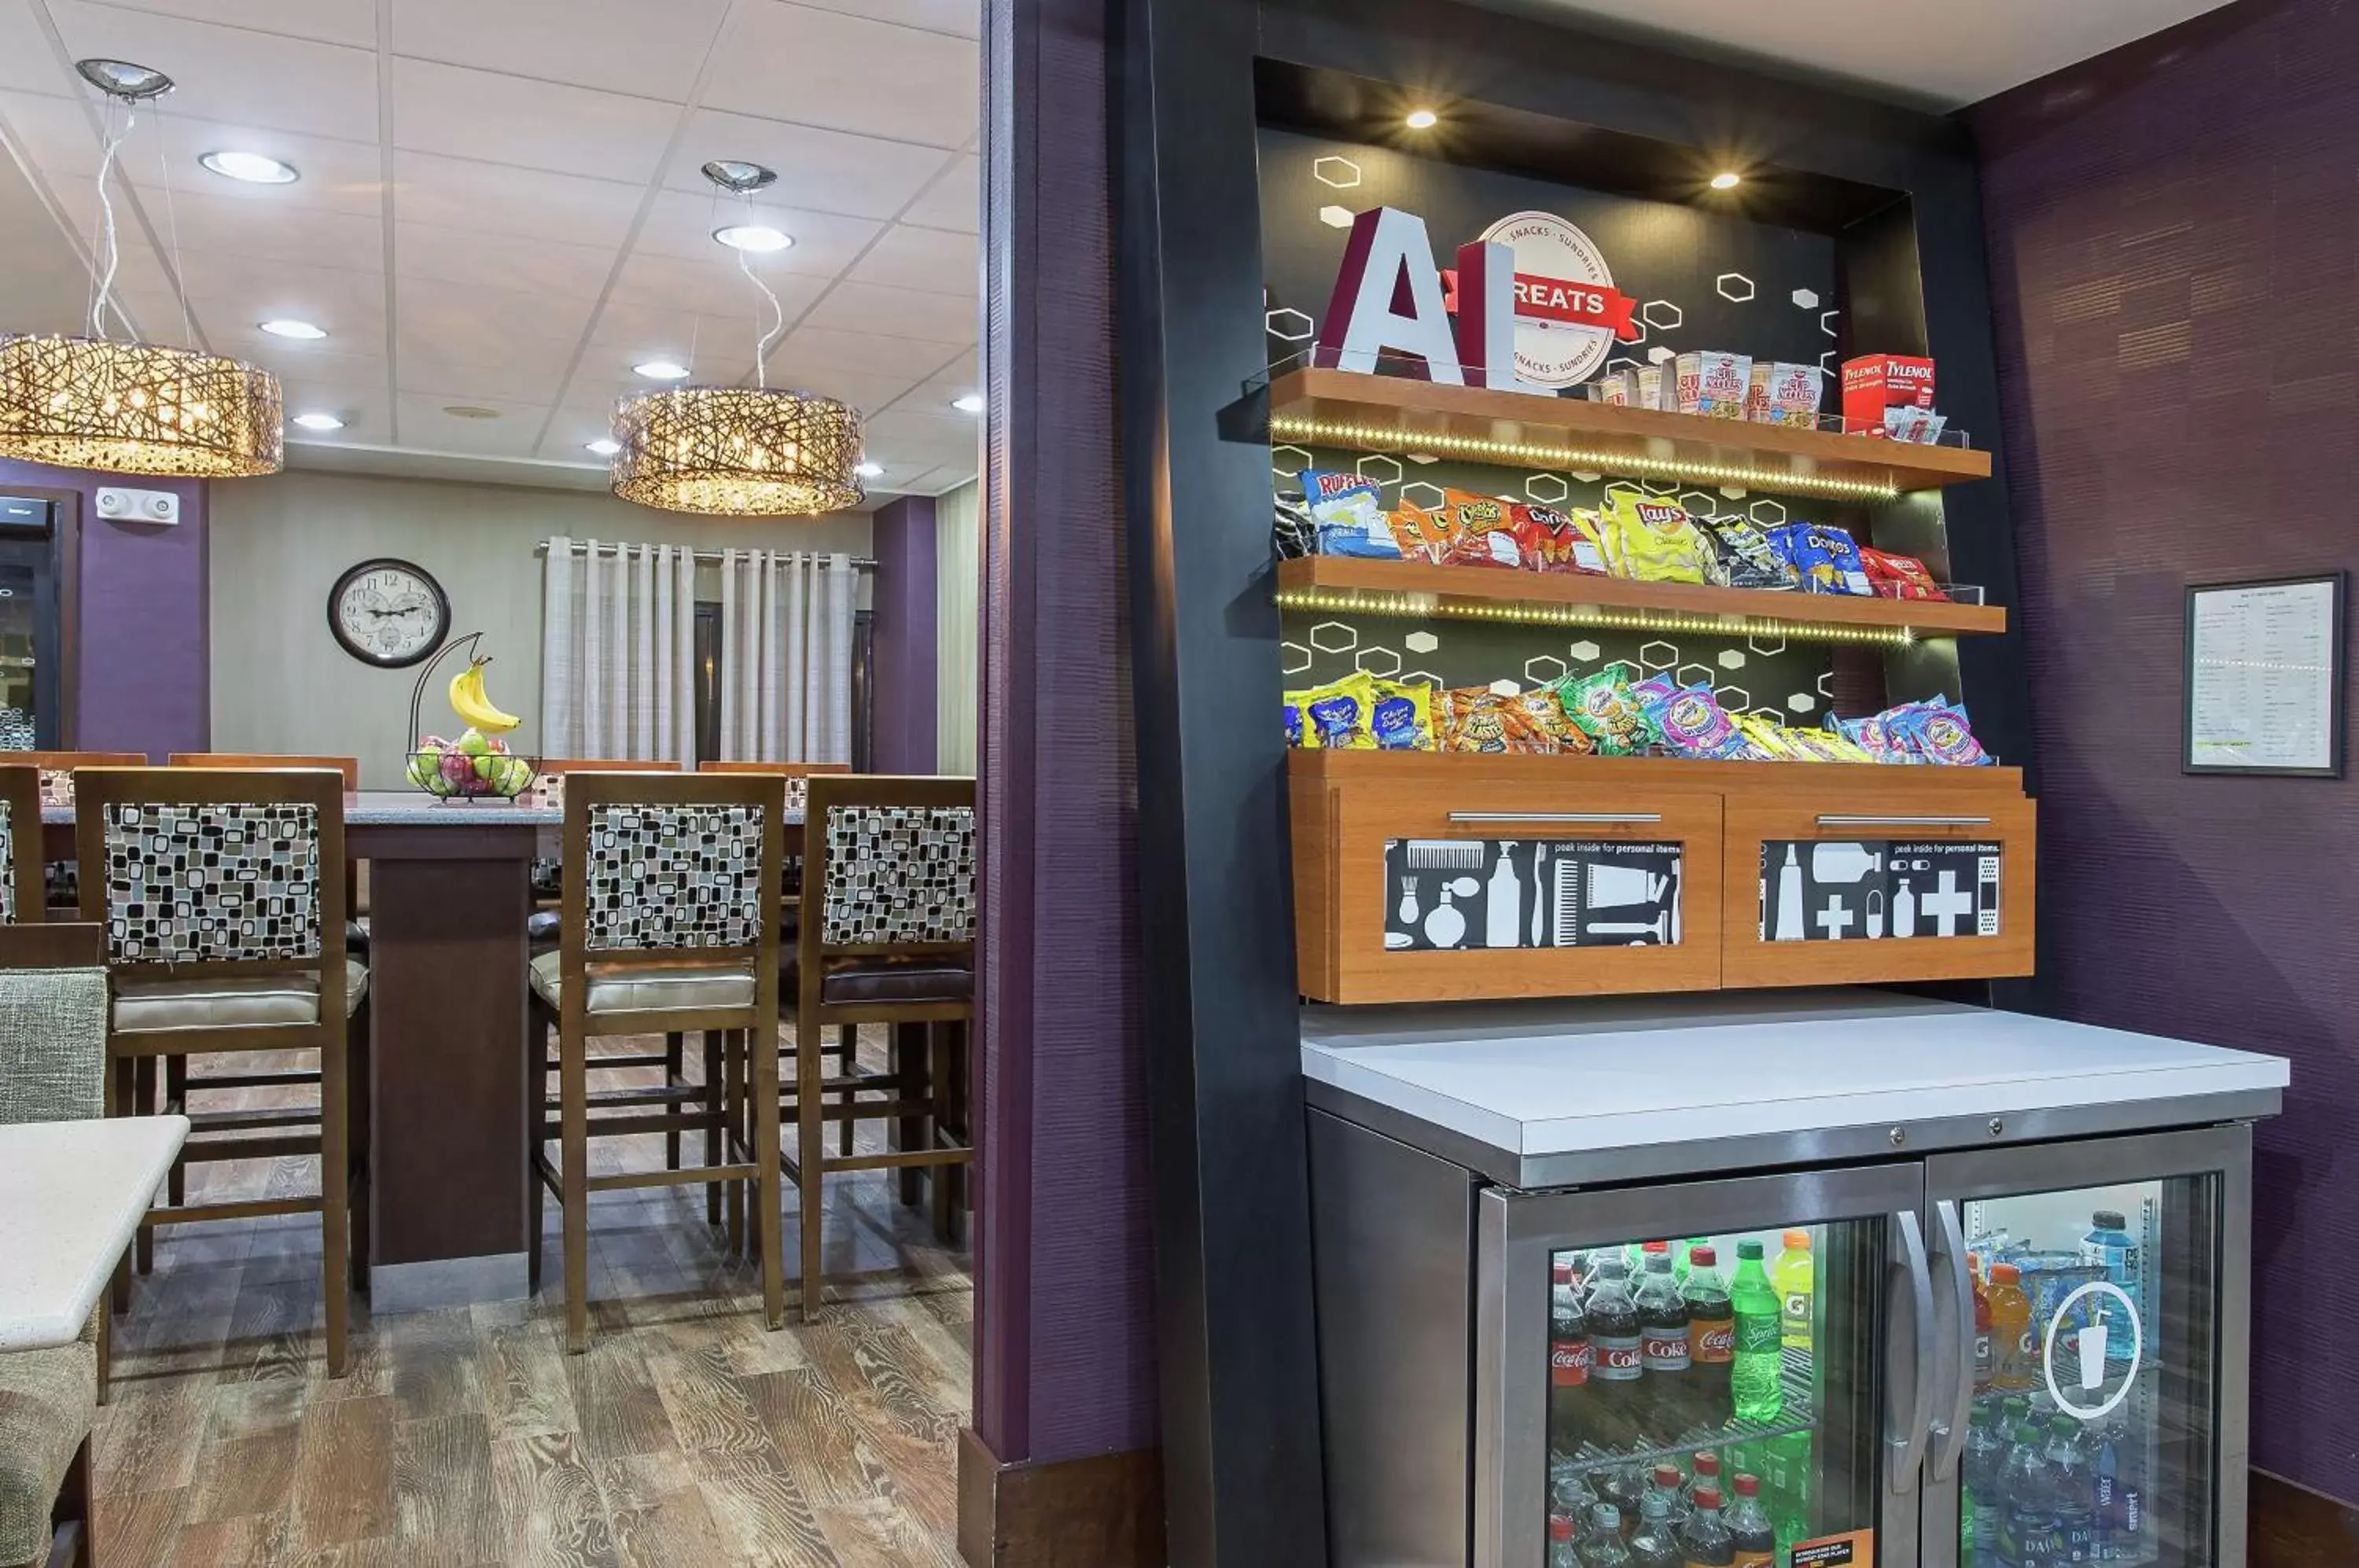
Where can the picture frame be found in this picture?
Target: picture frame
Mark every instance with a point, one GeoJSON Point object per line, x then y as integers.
{"type": "Point", "coordinates": [2264, 677]}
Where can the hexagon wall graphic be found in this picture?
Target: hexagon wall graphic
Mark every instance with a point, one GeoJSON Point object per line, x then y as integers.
{"type": "Point", "coordinates": [1827, 685]}
{"type": "Point", "coordinates": [1806, 300]}
{"type": "Point", "coordinates": [1801, 703]}
{"type": "Point", "coordinates": [1698, 504]}
{"type": "Point", "coordinates": [1768, 513]}
{"type": "Point", "coordinates": [1653, 656]}
{"type": "Point", "coordinates": [1584, 650]}
{"type": "Point", "coordinates": [1341, 173]}
{"type": "Point", "coordinates": [1415, 493]}
{"type": "Point", "coordinates": [1336, 217]}
{"type": "Point", "coordinates": [1735, 699]}
{"type": "Point", "coordinates": [1662, 315]}
{"type": "Point", "coordinates": [1339, 638]}
{"type": "Point", "coordinates": [1378, 468]}
{"type": "Point", "coordinates": [1827, 322]}
{"type": "Point", "coordinates": [1422, 678]}
{"type": "Point", "coordinates": [1734, 286]}
{"type": "Point", "coordinates": [1504, 688]}
{"type": "Point", "coordinates": [1541, 668]}
{"type": "Point", "coordinates": [1733, 491]}
{"type": "Point", "coordinates": [1692, 675]}
{"type": "Point", "coordinates": [1623, 486]}
{"type": "Point", "coordinates": [1290, 326]}
{"type": "Point", "coordinates": [1381, 661]}
{"type": "Point", "coordinates": [1730, 658]}
{"type": "Point", "coordinates": [1420, 642]}
{"type": "Point", "coordinates": [1545, 488]}
{"type": "Point", "coordinates": [1587, 478]}
{"type": "Point", "coordinates": [1659, 354]}
{"type": "Point", "coordinates": [1621, 362]}
{"type": "Point", "coordinates": [1420, 458]}
{"type": "Point", "coordinates": [1767, 647]}
{"type": "Point", "coordinates": [1293, 658]}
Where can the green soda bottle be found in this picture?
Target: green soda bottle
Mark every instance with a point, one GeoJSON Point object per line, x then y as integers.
{"type": "Point", "coordinates": [1758, 1379]}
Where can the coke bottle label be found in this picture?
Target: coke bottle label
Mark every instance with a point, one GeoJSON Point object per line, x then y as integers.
{"type": "Point", "coordinates": [1666, 1352]}
{"type": "Point", "coordinates": [1713, 1342]}
{"type": "Point", "coordinates": [1569, 1363]}
{"type": "Point", "coordinates": [1617, 1359]}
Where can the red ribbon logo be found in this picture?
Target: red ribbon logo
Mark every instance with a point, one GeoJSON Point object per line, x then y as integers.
{"type": "Point", "coordinates": [1555, 300]}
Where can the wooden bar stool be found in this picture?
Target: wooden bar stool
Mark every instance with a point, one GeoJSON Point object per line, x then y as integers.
{"type": "Point", "coordinates": [888, 937]}
{"type": "Point", "coordinates": [671, 924]}
{"type": "Point", "coordinates": [57, 770]}
{"type": "Point", "coordinates": [220, 891]}
{"type": "Point", "coordinates": [24, 898]}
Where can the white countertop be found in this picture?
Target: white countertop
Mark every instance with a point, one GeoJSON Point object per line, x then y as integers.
{"type": "Point", "coordinates": [71, 1197]}
{"type": "Point", "coordinates": [404, 808]}
{"type": "Point", "coordinates": [1560, 1077]}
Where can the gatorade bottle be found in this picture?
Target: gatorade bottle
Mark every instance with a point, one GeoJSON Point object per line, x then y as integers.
{"type": "Point", "coordinates": [1753, 1542]}
{"type": "Point", "coordinates": [1570, 1354]}
{"type": "Point", "coordinates": [1757, 1378]}
{"type": "Point", "coordinates": [1711, 1334]}
{"type": "Point", "coordinates": [1984, 1361]}
{"type": "Point", "coordinates": [2015, 1359]}
{"type": "Point", "coordinates": [1617, 1359]}
{"type": "Point", "coordinates": [2075, 1485]}
{"type": "Point", "coordinates": [1657, 1542]}
{"type": "Point", "coordinates": [1601, 1547]}
{"type": "Point", "coordinates": [1667, 1412]}
{"type": "Point", "coordinates": [1704, 1540]}
{"type": "Point", "coordinates": [1794, 1276]}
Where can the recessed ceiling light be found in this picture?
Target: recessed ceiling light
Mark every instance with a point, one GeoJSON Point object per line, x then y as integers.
{"type": "Point", "coordinates": [470, 411]}
{"type": "Point", "coordinates": [869, 469]}
{"type": "Point", "coordinates": [604, 446]}
{"type": "Point", "coordinates": [1423, 119]}
{"type": "Point", "coordinates": [320, 422]}
{"type": "Point", "coordinates": [759, 238]}
{"type": "Point", "coordinates": [970, 404]}
{"type": "Point", "coordinates": [251, 167]}
{"type": "Point", "coordinates": [304, 330]}
{"type": "Point", "coordinates": [662, 370]}
{"type": "Point", "coordinates": [1724, 181]}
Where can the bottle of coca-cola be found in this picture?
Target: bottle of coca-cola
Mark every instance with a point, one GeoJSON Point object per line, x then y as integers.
{"type": "Point", "coordinates": [1616, 1358]}
{"type": "Point", "coordinates": [1712, 1339]}
{"type": "Point", "coordinates": [1569, 1362]}
{"type": "Point", "coordinates": [1668, 1410]}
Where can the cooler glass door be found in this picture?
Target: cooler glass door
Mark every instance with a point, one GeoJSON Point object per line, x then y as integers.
{"type": "Point", "coordinates": [28, 678]}
{"type": "Point", "coordinates": [1830, 1419]}
{"type": "Point", "coordinates": [2123, 1356]}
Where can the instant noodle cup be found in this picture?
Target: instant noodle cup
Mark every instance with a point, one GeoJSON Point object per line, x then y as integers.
{"type": "Point", "coordinates": [1714, 383]}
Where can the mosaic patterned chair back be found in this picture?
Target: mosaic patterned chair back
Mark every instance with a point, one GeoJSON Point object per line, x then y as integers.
{"type": "Point", "coordinates": [897, 875]}
{"type": "Point", "coordinates": [23, 895]}
{"type": "Point", "coordinates": [9, 827]}
{"type": "Point", "coordinates": [211, 883]}
{"type": "Point", "coordinates": [673, 875]}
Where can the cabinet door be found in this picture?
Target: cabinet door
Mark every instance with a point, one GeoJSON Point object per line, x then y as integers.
{"type": "Point", "coordinates": [1447, 890]}
{"type": "Point", "coordinates": [1842, 879]}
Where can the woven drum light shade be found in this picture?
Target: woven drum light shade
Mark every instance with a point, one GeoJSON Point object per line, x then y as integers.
{"type": "Point", "coordinates": [738, 452]}
{"type": "Point", "coordinates": [129, 407]}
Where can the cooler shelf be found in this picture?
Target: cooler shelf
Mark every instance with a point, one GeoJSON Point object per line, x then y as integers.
{"type": "Point", "coordinates": [1800, 1415]}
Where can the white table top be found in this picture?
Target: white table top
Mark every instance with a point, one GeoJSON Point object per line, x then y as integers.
{"type": "Point", "coordinates": [1560, 1077]}
{"type": "Point", "coordinates": [405, 808]}
{"type": "Point", "coordinates": [71, 1197]}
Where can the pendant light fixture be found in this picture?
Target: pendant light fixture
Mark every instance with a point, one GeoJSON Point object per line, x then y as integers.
{"type": "Point", "coordinates": [134, 408]}
{"type": "Point", "coordinates": [740, 452]}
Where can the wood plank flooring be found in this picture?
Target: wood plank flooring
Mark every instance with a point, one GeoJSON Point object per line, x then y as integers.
{"type": "Point", "coordinates": [687, 1436]}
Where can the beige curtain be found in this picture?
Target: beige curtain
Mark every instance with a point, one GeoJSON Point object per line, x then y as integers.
{"type": "Point", "coordinates": [785, 663]}
{"type": "Point", "coordinates": [958, 649]}
{"type": "Point", "coordinates": [619, 651]}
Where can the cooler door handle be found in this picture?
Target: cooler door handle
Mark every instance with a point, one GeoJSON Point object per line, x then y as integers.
{"type": "Point", "coordinates": [1839, 821]}
{"type": "Point", "coordinates": [1912, 1284]}
{"type": "Point", "coordinates": [1556, 816]}
{"type": "Point", "coordinates": [1954, 1300]}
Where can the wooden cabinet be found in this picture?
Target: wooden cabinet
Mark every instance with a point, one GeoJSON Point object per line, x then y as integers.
{"type": "Point", "coordinates": [1423, 877]}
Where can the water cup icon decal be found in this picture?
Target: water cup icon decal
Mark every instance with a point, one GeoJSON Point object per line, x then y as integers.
{"type": "Point", "coordinates": [2092, 1352]}
{"type": "Point", "coordinates": [2109, 1313]}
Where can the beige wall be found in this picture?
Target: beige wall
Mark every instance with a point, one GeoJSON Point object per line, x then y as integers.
{"type": "Point", "coordinates": [281, 682]}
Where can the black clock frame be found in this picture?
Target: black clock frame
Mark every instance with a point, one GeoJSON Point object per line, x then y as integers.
{"type": "Point", "coordinates": [442, 612]}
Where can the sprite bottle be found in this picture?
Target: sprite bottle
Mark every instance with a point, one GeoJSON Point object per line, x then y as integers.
{"type": "Point", "coordinates": [1758, 1378]}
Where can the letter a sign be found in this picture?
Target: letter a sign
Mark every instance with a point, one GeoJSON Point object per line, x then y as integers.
{"type": "Point", "coordinates": [1387, 301]}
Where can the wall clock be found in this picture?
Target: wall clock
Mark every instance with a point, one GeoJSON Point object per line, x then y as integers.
{"type": "Point", "coordinates": [388, 612]}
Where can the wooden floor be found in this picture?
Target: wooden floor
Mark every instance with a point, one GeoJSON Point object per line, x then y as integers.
{"type": "Point", "coordinates": [687, 1436]}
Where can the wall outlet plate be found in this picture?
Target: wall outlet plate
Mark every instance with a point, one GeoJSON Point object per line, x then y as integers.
{"type": "Point", "coordinates": [138, 506]}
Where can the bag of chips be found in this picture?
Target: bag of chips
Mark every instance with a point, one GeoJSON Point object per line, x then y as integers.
{"type": "Point", "coordinates": [1690, 721]}
{"type": "Point", "coordinates": [1401, 714]}
{"type": "Point", "coordinates": [1651, 540]}
{"type": "Point", "coordinates": [1477, 719]}
{"type": "Point", "coordinates": [1349, 516]}
{"type": "Point", "coordinates": [1823, 558]}
{"type": "Point", "coordinates": [1764, 739]}
{"type": "Point", "coordinates": [1741, 555]}
{"type": "Point", "coordinates": [1299, 731]}
{"type": "Point", "coordinates": [1603, 707]}
{"type": "Point", "coordinates": [1874, 740]}
{"type": "Point", "coordinates": [1898, 576]}
{"type": "Point", "coordinates": [1551, 540]}
{"type": "Point", "coordinates": [1292, 533]}
{"type": "Point", "coordinates": [1341, 714]}
{"type": "Point", "coordinates": [1938, 732]}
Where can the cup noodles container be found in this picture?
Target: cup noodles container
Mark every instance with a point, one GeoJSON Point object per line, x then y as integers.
{"type": "Point", "coordinates": [1714, 383]}
{"type": "Point", "coordinates": [1783, 394]}
{"type": "Point", "coordinates": [1619, 388]}
{"type": "Point", "coordinates": [1875, 382]}
{"type": "Point", "coordinates": [1657, 388]}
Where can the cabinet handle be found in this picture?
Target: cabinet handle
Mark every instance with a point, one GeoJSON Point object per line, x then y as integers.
{"type": "Point", "coordinates": [1956, 1347]}
{"type": "Point", "coordinates": [1844, 821]}
{"type": "Point", "coordinates": [1913, 1422]}
{"type": "Point", "coordinates": [1556, 816]}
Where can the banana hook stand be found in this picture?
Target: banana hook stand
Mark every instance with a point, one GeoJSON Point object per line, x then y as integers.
{"type": "Point", "coordinates": [418, 693]}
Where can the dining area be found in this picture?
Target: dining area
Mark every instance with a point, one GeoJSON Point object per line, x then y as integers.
{"type": "Point", "coordinates": [370, 1152]}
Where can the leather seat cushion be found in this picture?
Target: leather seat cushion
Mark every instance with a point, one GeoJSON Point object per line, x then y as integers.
{"type": "Point", "coordinates": [640, 988]}
{"type": "Point", "coordinates": [240, 1002]}
{"type": "Point", "coordinates": [49, 1399]}
{"type": "Point", "coordinates": [880, 981]}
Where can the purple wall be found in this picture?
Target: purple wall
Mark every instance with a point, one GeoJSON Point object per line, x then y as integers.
{"type": "Point", "coordinates": [146, 678]}
{"type": "Point", "coordinates": [903, 540]}
{"type": "Point", "coordinates": [2174, 246]}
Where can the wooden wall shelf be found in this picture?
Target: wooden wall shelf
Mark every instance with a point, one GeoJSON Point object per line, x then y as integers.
{"type": "Point", "coordinates": [1384, 413]}
{"type": "Point", "coordinates": [1348, 584]}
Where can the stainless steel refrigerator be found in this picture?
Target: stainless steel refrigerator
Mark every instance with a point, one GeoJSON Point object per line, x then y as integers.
{"type": "Point", "coordinates": [2016, 1231]}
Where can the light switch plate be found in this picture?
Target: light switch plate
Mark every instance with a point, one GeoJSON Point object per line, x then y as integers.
{"type": "Point", "coordinates": [138, 506]}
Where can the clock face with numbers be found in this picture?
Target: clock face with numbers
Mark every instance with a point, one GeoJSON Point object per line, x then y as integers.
{"type": "Point", "coordinates": [388, 612]}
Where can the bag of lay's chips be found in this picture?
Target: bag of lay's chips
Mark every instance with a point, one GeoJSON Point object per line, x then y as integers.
{"type": "Point", "coordinates": [1402, 716]}
{"type": "Point", "coordinates": [1652, 540]}
{"type": "Point", "coordinates": [1340, 715]}
{"type": "Point", "coordinates": [1551, 540]}
{"type": "Point", "coordinates": [1348, 516]}
{"type": "Point", "coordinates": [1602, 707]}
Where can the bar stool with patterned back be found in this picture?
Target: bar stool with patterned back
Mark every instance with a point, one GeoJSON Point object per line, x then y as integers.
{"type": "Point", "coordinates": [57, 770]}
{"type": "Point", "coordinates": [671, 900]}
{"type": "Point", "coordinates": [889, 938]}
{"type": "Point", "coordinates": [220, 891]}
{"type": "Point", "coordinates": [24, 897]}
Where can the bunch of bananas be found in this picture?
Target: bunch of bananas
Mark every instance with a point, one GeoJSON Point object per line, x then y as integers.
{"type": "Point", "coordinates": [468, 701]}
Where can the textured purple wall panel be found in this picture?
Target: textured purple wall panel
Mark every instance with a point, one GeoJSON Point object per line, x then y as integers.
{"type": "Point", "coordinates": [904, 544]}
{"type": "Point", "coordinates": [2174, 238]}
{"type": "Point", "coordinates": [145, 681]}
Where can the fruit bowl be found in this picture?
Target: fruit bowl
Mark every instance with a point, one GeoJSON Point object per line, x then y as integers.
{"type": "Point", "coordinates": [471, 768]}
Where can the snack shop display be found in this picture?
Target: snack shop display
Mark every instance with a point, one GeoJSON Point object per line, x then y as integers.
{"type": "Point", "coordinates": [1783, 394]}
{"type": "Point", "coordinates": [1348, 514]}
{"type": "Point", "coordinates": [1742, 555]}
{"type": "Point", "coordinates": [1603, 707]}
{"type": "Point", "coordinates": [1363, 713]}
{"type": "Point", "coordinates": [1898, 576]}
{"type": "Point", "coordinates": [1552, 540]}
{"type": "Point", "coordinates": [1293, 533]}
{"type": "Point", "coordinates": [1891, 395]}
{"type": "Point", "coordinates": [1824, 558]}
{"type": "Point", "coordinates": [1713, 383]}
{"type": "Point", "coordinates": [1651, 539]}
{"type": "Point", "coordinates": [1477, 719]}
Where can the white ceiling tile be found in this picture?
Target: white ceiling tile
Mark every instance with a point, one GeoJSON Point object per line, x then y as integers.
{"type": "Point", "coordinates": [650, 48]}
{"type": "Point", "coordinates": [337, 175]}
{"type": "Point", "coordinates": [846, 72]}
{"type": "Point", "coordinates": [55, 134]}
{"type": "Point", "coordinates": [454, 193]}
{"type": "Point", "coordinates": [940, 261]}
{"type": "Point", "coordinates": [898, 313]}
{"type": "Point", "coordinates": [313, 366]}
{"type": "Point", "coordinates": [230, 73]}
{"type": "Point", "coordinates": [909, 438]}
{"type": "Point", "coordinates": [532, 125]}
{"type": "Point", "coordinates": [821, 348]}
{"type": "Point", "coordinates": [572, 428]}
{"type": "Point", "coordinates": [954, 200]}
{"type": "Point", "coordinates": [963, 17]}
{"type": "Point", "coordinates": [638, 333]}
{"type": "Point", "coordinates": [518, 377]}
{"type": "Point", "coordinates": [484, 318]}
{"type": "Point", "coordinates": [866, 393]}
{"type": "Point", "coordinates": [359, 402]}
{"type": "Point", "coordinates": [680, 224]}
{"type": "Point", "coordinates": [27, 63]}
{"type": "Point", "coordinates": [821, 170]}
{"type": "Point", "coordinates": [348, 303]}
{"type": "Point", "coordinates": [425, 427]}
{"type": "Point", "coordinates": [464, 258]}
{"type": "Point", "coordinates": [351, 22]}
{"type": "Point", "coordinates": [714, 286]}
{"type": "Point", "coordinates": [258, 231]}
{"type": "Point", "coordinates": [935, 395]}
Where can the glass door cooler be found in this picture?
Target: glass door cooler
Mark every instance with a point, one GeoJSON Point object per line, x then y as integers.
{"type": "Point", "coordinates": [1599, 1286]}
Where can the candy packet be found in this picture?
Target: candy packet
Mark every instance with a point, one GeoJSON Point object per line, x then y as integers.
{"type": "Point", "coordinates": [1603, 708]}
{"type": "Point", "coordinates": [1349, 516]}
{"type": "Point", "coordinates": [1898, 576]}
{"type": "Point", "coordinates": [1690, 721]}
{"type": "Point", "coordinates": [1823, 558]}
{"type": "Point", "coordinates": [1339, 717]}
{"type": "Point", "coordinates": [1874, 740]}
{"type": "Point", "coordinates": [1652, 540]}
{"type": "Point", "coordinates": [1551, 540]}
{"type": "Point", "coordinates": [1401, 714]}
{"type": "Point", "coordinates": [1742, 555]}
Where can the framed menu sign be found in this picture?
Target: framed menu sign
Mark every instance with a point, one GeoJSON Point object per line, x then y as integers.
{"type": "Point", "coordinates": [2265, 676]}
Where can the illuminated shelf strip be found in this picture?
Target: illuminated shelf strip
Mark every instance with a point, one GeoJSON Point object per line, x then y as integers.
{"type": "Point", "coordinates": [1441, 443]}
{"type": "Point", "coordinates": [1418, 606]}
